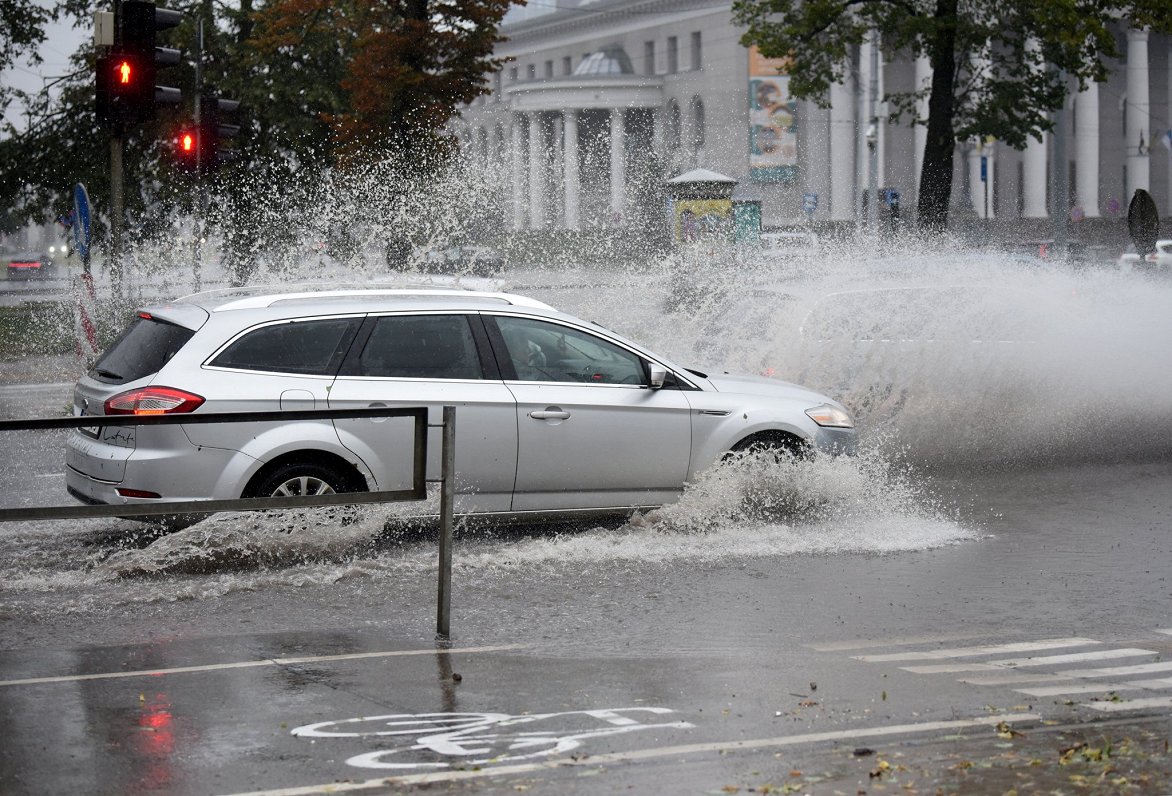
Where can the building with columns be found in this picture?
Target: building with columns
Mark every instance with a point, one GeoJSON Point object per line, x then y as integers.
{"type": "Point", "coordinates": [600, 102]}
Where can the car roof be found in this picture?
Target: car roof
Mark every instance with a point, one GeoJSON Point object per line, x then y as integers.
{"type": "Point", "coordinates": [447, 296]}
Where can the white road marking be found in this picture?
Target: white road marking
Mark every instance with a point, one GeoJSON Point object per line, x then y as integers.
{"type": "Point", "coordinates": [1120, 671]}
{"type": "Point", "coordinates": [647, 754]}
{"type": "Point", "coordinates": [870, 643]}
{"type": "Point", "coordinates": [951, 668]}
{"type": "Point", "coordinates": [1156, 685]}
{"type": "Point", "coordinates": [20, 389]}
{"type": "Point", "coordinates": [1074, 657]}
{"type": "Point", "coordinates": [50, 475]}
{"type": "Point", "coordinates": [1131, 704]}
{"type": "Point", "coordinates": [1013, 678]}
{"type": "Point", "coordinates": [212, 667]}
{"type": "Point", "coordinates": [963, 652]}
{"type": "Point", "coordinates": [1166, 631]}
{"type": "Point", "coordinates": [1079, 688]}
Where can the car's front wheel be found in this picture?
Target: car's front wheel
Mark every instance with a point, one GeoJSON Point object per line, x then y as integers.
{"type": "Point", "coordinates": [297, 479]}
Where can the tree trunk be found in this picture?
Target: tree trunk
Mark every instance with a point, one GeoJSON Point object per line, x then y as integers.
{"type": "Point", "coordinates": [936, 174]}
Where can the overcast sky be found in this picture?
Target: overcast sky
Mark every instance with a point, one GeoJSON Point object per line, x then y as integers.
{"type": "Point", "coordinates": [61, 41]}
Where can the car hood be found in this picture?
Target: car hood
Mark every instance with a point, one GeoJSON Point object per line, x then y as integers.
{"type": "Point", "coordinates": [762, 385]}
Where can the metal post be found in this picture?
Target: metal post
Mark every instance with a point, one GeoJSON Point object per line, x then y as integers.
{"type": "Point", "coordinates": [447, 496]}
{"type": "Point", "coordinates": [114, 266]}
{"type": "Point", "coordinates": [200, 194]}
{"type": "Point", "coordinates": [873, 141]}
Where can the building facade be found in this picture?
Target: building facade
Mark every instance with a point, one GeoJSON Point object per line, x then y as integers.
{"type": "Point", "coordinates": [600, 103]}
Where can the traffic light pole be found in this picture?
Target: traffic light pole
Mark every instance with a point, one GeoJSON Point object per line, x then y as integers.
{"type": "Point", "coordinates": [200, 191]}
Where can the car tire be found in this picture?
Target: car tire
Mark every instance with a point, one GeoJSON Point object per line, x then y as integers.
{"type": "Point", "coordinates": [780, 445]}
{"type": "Point", "coordinates": [301, 478]}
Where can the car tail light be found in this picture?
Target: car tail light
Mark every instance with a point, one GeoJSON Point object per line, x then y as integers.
{"type": "Point", "coordinates": [136, 493]}
{"type": "Point", "coordinates": [153, 401]}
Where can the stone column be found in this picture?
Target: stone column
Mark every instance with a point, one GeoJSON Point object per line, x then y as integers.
{"type": "Point", "coordinates": [923, 81]}
{"type": "Point", "coordinates": [1086, 149]}
{"type": "Point", "coordinates": [520, 185]}
{"type": "Point", "coordinates": [843, 131]}
{"type": "Point", "coordinates": [1138, 136]}
{"type": "Point", "coordinates": [1034, 168]}
{"type": "Point", "coordinates": [537, 168]}
{"type": "Point", "coordinates": [618, 164]}
{"type": "Point", "coordinates": [570, 177]}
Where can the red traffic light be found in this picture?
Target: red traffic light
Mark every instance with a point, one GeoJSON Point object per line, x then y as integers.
{"type": "Point", "coordinates": [187, 142]}
{"type": "Point", "coordinates": [124, 72]}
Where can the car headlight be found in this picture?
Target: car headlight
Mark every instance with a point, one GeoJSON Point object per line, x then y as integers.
{"type": "Point", "coordinates": [832, 416]}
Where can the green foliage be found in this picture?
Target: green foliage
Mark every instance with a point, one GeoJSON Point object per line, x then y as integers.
{"type": "Point", "coordinates": [1001, 66]}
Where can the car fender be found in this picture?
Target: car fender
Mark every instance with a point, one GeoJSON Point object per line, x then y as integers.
{"type": "Point", "coordinates": [275, 440]}
{"type": "Point", "coordinates": [718, 425]}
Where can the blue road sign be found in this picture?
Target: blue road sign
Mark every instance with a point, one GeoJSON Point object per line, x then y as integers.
{"type": "Point", "coordinates": [984, 168]}
{"type": "Point", "coordinates": [809, 202]}
{"type": "Point", "coordinates": [81, 223]}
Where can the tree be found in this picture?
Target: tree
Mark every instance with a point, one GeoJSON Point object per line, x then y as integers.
{"type": "Point", "coordinates": [22, 29]}
{"type": "Point", "coordinates": [999, 67]}
{"type": "Point", "coordinates": [403, 66]}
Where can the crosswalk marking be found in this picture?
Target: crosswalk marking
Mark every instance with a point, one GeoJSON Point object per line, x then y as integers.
{"type": "Point", "coordinates": [1074, 657]}
{"type": "Point", "coordinates": [1078, 688]}
{"type": "Point", "coordinates": [1131, 704]}
{"type": "Point", "coordinates": [867, 643]}
{"type": "Point", "coordinates": [1081, 684]}
{"type": "Point", "coordinates": [1013, 678]}
{"type": "Point", "coordinates": [1120, 671]}
{"type": "Point", "coordinates": [964, 652]}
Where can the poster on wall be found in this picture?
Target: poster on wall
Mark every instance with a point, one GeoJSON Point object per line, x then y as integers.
{"type": "Point", "coordinates": [703, 220]}
{"type": "Point", "coordinates": [773, 130]}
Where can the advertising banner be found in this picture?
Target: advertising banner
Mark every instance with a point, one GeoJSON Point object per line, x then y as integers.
{"type": "Point", "coordinates": [773, 130]}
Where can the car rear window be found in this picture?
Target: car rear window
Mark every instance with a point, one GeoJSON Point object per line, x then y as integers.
{"type": "Point", "coordinates": [142, 349]}
{"type": "Point", "coordinates": [313, 347]}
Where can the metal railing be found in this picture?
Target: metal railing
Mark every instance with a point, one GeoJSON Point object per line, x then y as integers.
{"type": "Point", "coordinates": [418, 490]}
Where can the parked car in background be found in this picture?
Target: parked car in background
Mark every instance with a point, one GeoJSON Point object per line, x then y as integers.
{"type": "Point", "coordinates": [31, 265]}
{"type": "Point", "coordinates": [1159, 261]}
{"type": "Point", "coordinates": [555, 414]}
{"type": "Point", "coordinates": [782, 245]}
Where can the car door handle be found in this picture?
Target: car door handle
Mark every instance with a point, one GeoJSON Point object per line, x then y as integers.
{"type": "Point", "coordinates": [550, 414]}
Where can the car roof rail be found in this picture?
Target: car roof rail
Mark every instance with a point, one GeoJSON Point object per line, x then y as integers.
{"type": "Point", "coordinates": [255, 297]}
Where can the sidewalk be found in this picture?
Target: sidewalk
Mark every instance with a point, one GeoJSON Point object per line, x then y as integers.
{"type": "Point", "coordinates": [39, 370]}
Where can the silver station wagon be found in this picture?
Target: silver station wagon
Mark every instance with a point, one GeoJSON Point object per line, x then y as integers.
{"type": "Point", "coordinates": [554, 414]}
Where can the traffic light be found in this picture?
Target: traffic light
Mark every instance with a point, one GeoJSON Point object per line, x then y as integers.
{"type": "Point", "coordinates": [126, 90]}
{"type": "Point", "coordinates": [213, 128]}
{"type": "Point", "coordinates": [187, 149]}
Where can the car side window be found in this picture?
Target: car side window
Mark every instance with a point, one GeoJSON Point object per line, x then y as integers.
{"type": "Point", "coordinates": [542, 351]}
{"type": "Point", "coordinates": [307, 347]}
{"type": "Point", "coordinates": [421, 347]}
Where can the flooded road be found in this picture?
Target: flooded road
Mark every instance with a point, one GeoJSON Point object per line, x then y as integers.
{"type": "Point", "coordinates": [990, 576]}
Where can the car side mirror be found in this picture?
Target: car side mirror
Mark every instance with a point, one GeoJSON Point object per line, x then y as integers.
{"type": "Point", "coordinates": [657, 375]}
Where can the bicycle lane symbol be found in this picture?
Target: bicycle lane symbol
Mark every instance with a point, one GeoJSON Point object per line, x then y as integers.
{"type": "Point", "coordinates": [443, 740]}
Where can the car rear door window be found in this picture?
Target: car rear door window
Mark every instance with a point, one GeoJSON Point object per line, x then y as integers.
{"type": "Point", "coordinates": [420, 347]}
{"type": "Point", "coordinates": [306, 347]}
{"type": "Point", "coordinates": [142, 349]}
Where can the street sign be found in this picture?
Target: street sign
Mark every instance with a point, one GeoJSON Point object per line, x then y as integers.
{"type": "Point", "coordinates": [81, 224]}
{"type": "Point", "coordinates": [984, 168]}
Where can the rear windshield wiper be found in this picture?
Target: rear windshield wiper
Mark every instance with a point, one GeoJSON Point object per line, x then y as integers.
{"type": "Point", "coordinates": [107, 374]}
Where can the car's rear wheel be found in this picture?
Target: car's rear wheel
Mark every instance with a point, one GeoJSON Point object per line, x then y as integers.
{"type": "Point", "coordinates": [297, 479]}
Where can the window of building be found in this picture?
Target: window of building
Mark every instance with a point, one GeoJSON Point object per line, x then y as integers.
{"type": "Point", "coordinates": [567, 65]}
{"type": "Point", "coordinates": [697, 124]}
{"type": "Point", "coordinates": [531, 71]}
{"type": "Point", "coordinates": [673, 55]}
{"type": "Point", "coordinates": [548, 70]}
{"type": "Point", "coordinates": [496, 84]}
{"type": "Point", "coordinates": [648, 57]}
{"type": "Point", "coordinates": [697, 59]}
{"type": "Point", "coordinates": [512, 74]}
{"type": "Point", "coordinates": [672, 130]}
